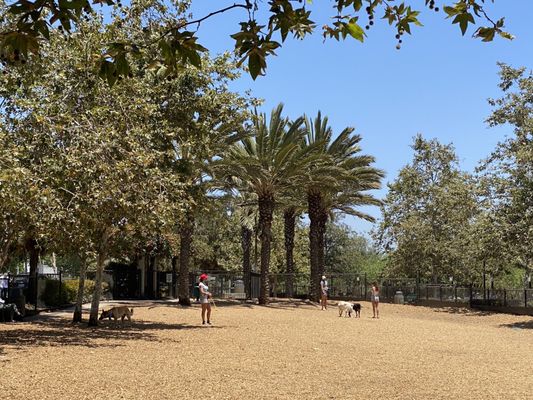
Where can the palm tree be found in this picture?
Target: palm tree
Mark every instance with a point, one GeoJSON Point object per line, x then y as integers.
{"type": "Point", "coordinates": [337, 183]}
{"type": "Point", "coordinates": [293, 204]}
{"type": "Point", "coordinates": [246, 212]}
{"type": "Point", "coordinates": [247, 222]}
{"type": "Point", "coordinates": [268, 163]}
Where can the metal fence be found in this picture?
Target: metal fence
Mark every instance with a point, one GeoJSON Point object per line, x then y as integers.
{"type": "Point", "coordinates": [25, 289]}
{"type": "Point", "coordinates": [29, 291]}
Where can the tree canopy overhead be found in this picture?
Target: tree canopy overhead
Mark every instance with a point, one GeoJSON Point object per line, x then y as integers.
{"type": "Point", "coordinates": [25, 24]}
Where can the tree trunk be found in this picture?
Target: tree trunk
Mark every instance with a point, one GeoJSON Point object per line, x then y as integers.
{"type": "Point", "coordinates": [266, 210]}
{"type": "Point", "coordinates": [186, 233]}
{"type": "Point", "coordinates": [289, 217]}
{"type": "Point", "coordinates": [246, 243]}
{"type": "Point", "coordinates": [322, 221]}
{"type": "Point", "coordinates": [77, 316]}
{"type": "Point", "coordinates": [314, 204]}
{"type": "Point", "coordinates": [100, 263]}
{"type": "Point", "coordinates": [31, 247]}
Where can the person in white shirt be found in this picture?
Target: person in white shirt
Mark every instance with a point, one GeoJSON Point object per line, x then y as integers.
{"type": "Point", "coordinates": [324, 293]}
{"type": "Point", "coordinates": [204, 299]}
{"type": "Point", "coordinates": [374, 298]}
{"type": "Point", "coordinates": [3, 286]}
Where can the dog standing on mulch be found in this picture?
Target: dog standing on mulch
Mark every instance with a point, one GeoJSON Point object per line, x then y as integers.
{"type": "Point", "coordinates": [118, 312]}
{"type": "Point", "coordinates": [348, 308]}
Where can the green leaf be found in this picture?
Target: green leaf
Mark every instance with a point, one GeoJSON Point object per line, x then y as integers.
{"type": "Point", "coordinates": [254, 64]}
{"type": "Point", "coordinates": [506, 35]}
{"type": "Point", "coordinates": [356, 31]}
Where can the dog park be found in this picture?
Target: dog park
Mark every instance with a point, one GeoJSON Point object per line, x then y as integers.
{"type": "Point", "coordinates": [286, 350]}
{"type": "Point", "coordinates": [282, 199]}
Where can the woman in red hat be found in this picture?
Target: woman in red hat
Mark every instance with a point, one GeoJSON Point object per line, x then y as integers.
{"type": "Point", "coordinates": [204, 299]}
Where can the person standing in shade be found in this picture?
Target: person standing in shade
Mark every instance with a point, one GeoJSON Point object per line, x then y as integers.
{"type": "Point", "coordinates": [324, 293]}
{"type": "Point", "coordinates": [374, 298]}
{"type": "Point", "coordinates": [204, 299]}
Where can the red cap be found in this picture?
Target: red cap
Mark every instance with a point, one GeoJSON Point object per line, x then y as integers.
{"type": "Point", "coordinates": [203, 277]}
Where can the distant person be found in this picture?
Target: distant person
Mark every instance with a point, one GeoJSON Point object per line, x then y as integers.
{"type": "Point", "coordinates": [374, 298]}
{"type": "Point", "coordinates": [9, 312]}
{"type": "Point", "coordinates": [4, 284]}
{"type": "Point", "coordinates": [324, 293]}
{"type": "Point", "coordinates": [204, 299]}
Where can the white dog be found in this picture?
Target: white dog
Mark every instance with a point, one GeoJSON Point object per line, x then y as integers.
{"type": "Point", "coordinates": [345, 307]}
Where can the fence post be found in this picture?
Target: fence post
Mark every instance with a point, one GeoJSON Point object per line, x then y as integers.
{"type": "Point", "coordinates": [504, 297]}
{"type": "Point", "coordinates": [60, 288]}
{"type": "Point", "coordinates": [36, 289]}
{"type": "Point", "coordinates": [525, 297]}
{"type": "Point", "coordinates": [417, 285]}
{"type": "Point", "coordinates": [427, 292]}
{"type": "Point", "coordinates": [470, 296]}
{"type": "Point", "coordinates": [455, 293]}
{"type": "Point", "coordinates": [440, 293]}
{"type": "Point", "coordinates": [364, 293]}
{"type": "Point", "coordinates": [8, 286]}
{"type": "Point", "coordinates": [484, 284]}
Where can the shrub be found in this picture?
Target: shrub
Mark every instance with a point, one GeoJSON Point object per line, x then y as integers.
{"type": "Point", "coordinates": [53, 296]}
{"type": "Point", "coordinates": [69, 291]}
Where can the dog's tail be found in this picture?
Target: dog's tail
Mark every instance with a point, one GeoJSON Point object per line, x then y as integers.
{"type": "Point", "coordinates": [131, 311]}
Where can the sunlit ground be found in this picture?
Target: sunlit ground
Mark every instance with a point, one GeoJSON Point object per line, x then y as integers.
{"type": "Point", "coordinates": [283, 351]}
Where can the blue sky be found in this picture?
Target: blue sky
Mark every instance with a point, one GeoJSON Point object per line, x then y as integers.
{"type": "Point", "coordinates": [436, 85]}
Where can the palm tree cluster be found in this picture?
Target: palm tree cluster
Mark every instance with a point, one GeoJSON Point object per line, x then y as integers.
{"type": "Point", "coordinates": [295, 166]}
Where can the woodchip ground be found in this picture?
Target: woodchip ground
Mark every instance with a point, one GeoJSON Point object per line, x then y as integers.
{"type": "Point", "coordinates": [288, 350]}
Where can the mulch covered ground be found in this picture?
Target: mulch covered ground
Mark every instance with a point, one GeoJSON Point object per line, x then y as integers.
{"type": "Point", "coordinates": [283, 351]}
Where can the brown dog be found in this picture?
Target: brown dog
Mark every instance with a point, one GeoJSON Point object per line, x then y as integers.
{"type": "Point", "coordinates": [118, 312]}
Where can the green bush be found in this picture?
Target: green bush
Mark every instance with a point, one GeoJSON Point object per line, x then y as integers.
{"type": "Point", "coordinates": [52, 296]}
{"type": "Point", "coordinates": [69, 291]}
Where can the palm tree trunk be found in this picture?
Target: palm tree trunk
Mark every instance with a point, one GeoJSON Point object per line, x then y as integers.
{"type": "Point", "coordinates": [289, 217]}
{"type": "Point", "coordinates": [76, 317]}
{"type": "Point", "coordinates": [186, 233]}
{"type": "Point", "coordinates": [266, 210]}
{"type": "Point", "coordinates": [322, 221]}
{"type": "Point", "coordinates": [314, 202]}
{"type": "Point", "coordinates": [246, 243]}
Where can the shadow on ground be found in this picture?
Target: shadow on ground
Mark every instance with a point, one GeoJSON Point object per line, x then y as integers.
{"type": "Point", "coordinates": [519, 325]}
{"type": "Point", "coordinates": [57, 331]}
{"type": "Point", "coordinates": [292, 304]}
{"type": "Point", "coordinates": [462, 311]}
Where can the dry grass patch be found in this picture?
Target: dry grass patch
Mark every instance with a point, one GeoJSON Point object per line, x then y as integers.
{"type": "Point", "coordinates": [283, 351]}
